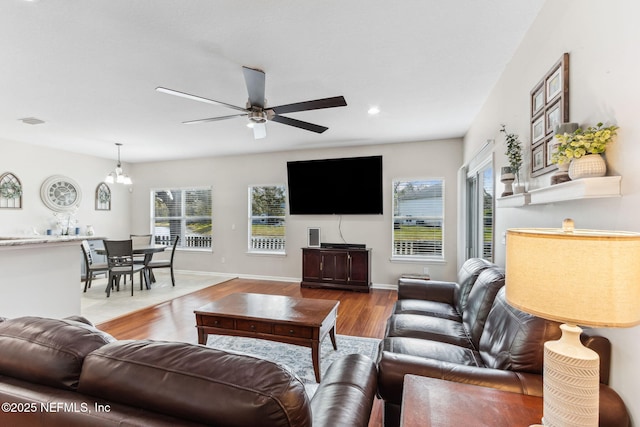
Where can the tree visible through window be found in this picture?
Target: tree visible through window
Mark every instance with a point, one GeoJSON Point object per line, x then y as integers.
{"type": "Point", "coordinates": [185, 212]}
{"type": "Point", "coordinates": [267, 219]}
{"type": "Point", "coordinates": [418, 216]}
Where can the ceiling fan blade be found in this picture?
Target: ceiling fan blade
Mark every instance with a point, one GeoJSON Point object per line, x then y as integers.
{"type": "Point", "coordinates": [259, 130]}
{"type": "Point", "coordinates": [336, 101]}
{"type": "Point", "coordinates": [255, 86]}
{"type": "Point", "coordinates": [197, 98]}
{"type": "Point", "coordinates": [298, 123]}
{"type": "Point", "coordinates": [212, 119]}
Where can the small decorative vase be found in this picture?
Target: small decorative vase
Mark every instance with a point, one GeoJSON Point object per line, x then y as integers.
{"type": "Point", "coordinates": [561, 175]}
{"type": "Point", "coordinates": [507, 177]}
{"type": "Point", "coordinates": [589, 166]}
{"type": "Point", "coordinates": [518, 188]}
{"type": "Point", "coordinates": [90, 231]}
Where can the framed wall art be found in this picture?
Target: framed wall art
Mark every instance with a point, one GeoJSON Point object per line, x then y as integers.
{"type": "Point", "coordinates": [103, 197]}
{"type": "Point", "coordinates": [10, 191]}
{"type": "Point", "coordinates": [549, 108]}
{"type": "Point", "coordinates": [537, 158]}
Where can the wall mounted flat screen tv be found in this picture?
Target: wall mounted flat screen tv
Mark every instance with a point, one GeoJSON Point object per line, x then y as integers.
{"type": "Point", "coordinates": [345, 186]}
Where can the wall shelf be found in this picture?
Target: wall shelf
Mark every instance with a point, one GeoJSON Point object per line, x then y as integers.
{"type": "Point", "coordinates": [585, 188]}
{"type": "Point", "coordinates": [514, 201]}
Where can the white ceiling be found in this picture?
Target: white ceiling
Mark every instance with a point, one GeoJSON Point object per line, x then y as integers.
{"type": "Point", "coordinates": [89, 69]}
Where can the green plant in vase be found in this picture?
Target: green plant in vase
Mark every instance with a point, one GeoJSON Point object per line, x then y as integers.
{"type": "Point", "coordinates": [514, 154]}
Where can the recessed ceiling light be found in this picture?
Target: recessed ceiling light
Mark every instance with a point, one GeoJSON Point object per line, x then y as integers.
{"type": "Point", "coordinates": [373, 111]}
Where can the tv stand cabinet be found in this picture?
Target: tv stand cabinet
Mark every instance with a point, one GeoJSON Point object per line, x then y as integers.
{"type": "Point", "coordinates": [343, 268]}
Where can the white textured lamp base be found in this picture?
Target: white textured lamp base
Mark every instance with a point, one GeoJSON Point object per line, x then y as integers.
{"type": "Point", "coordinates": [571, 382]}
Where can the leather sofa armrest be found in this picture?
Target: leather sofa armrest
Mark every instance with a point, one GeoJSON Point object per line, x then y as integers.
{"type": "Point", "coordinates": [430, 290]}
{"type": "Point", "coordinates": [345, 395]}
{"type": "Point", "coordinates": [602, 346]}
{"type": "Point", "coordinates": [392, 367]}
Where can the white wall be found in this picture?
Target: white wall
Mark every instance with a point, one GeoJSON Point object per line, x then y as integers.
{"type": "Point", "coordinates": [231, 176]}
{"type": "Point", "coordinates": [602, 39]}
{"type": "Point", "coordinates": [33, 165]}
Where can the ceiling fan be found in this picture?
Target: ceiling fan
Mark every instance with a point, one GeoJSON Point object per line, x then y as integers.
{"type": "Point", "coordinates": [256, 109]}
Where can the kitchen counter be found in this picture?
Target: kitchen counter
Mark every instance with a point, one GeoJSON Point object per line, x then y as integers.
{"type": "Point", "coordinates": [40, 275]}
{"type": "Point", "coordinates": [34, 240]}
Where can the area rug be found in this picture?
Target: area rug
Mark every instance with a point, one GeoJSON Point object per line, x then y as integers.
{"type": "Point", "coordinates": [296, 357]}
{"type": "Point", "coordinates": [95, 305]}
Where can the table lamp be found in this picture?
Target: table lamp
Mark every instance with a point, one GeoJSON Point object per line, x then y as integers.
{"type": "Point", "coordinates": [578, 277]}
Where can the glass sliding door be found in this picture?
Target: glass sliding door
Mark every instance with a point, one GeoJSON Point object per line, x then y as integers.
{"type": "Point", "coordinates": [480, 212]}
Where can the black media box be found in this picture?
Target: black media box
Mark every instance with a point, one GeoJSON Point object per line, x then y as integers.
{"type": "Point", "coordinates": [343, 245]}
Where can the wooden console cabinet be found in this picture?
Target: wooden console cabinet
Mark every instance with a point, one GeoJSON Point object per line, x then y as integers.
{"type": "Point", "coordinates": [336, 268]}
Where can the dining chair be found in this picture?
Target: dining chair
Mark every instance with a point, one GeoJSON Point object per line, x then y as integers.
{"type": "Point", "coordinates": [120, 261]}
{"type": "Point", "coordinates": [91, 268]}
{"type": "Point", "coordinates": [140, 240]}
{"type": "Point", "coordinates": [166, 263]}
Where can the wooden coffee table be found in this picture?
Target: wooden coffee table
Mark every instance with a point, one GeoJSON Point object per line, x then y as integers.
{"type": "Point", "coordinates": [299, 321]}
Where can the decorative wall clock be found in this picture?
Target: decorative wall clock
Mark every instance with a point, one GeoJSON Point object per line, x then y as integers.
{"type": "Point", "coordinates": [60, 193]}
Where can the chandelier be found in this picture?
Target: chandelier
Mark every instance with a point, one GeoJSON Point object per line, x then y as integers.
{"type": "Point", "coordinates": [117, 175]}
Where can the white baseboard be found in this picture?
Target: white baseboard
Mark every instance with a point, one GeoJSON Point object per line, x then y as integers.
{"type": "Point", "coordinates": [384, 286]}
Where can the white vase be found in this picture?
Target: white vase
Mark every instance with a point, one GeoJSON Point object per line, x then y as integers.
{"type": "Point", "coordinates": [589, 166]}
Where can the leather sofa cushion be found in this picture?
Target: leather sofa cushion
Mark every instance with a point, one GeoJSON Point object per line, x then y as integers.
{"type": "Point", "coordinates": [427, 328]}
{"type": "Point", "coordinates": [480, 301]}
{"type": "Point", "coordinates": [442, 310]}
{"type": "Point", "coordinates": [467, 277]}
{"type": "Point", "coordinates": [47, 351]}
{"type": "Point", "coordinates": [440, 351]}
{"type": "Point", "coordinates": [514, 340]}
{"type": "Point", "coordinates": [196, 383]}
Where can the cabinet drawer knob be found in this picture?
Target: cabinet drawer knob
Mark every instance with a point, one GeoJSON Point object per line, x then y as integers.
{"type": "Point", "coordinates": [291, 331]}
{"type": "Point", "coordinates": [252, 326]}
{"type": "Point", "coordinates": [216, 322]}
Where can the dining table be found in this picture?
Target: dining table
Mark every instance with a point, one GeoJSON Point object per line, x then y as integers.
{"type": "Point", "coordinates": [147, 251]}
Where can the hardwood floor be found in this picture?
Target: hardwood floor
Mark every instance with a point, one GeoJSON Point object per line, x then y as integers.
{"type": "Point", "coordinates": [359, 314]}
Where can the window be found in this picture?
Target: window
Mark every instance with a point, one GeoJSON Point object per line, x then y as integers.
{"type": "Point", "coordinates": [418, 217]}
{"type": "Point", "coordinates": [267, 219]}
{"type": "Point", "coordinates": [184, 212]}
{"type": "Point", "coordinates": [480, 198]}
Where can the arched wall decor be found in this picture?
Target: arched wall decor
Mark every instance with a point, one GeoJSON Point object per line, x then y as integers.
{"type": "Point", "coordinates": [10, 191]}
{"type": "Point", "coordinates": [103, 197]}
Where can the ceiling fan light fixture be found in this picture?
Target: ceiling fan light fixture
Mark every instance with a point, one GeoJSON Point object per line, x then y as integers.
{"type": "Point", "coordinates": [256, 107]}
{"type": "Point", "coordinates": [257, 116]}
{"type": "Point", "coordinates": [373, 111]}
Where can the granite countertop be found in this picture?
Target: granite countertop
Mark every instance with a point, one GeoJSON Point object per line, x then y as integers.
{"type": "Point", "coordinates": [36, 240]}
